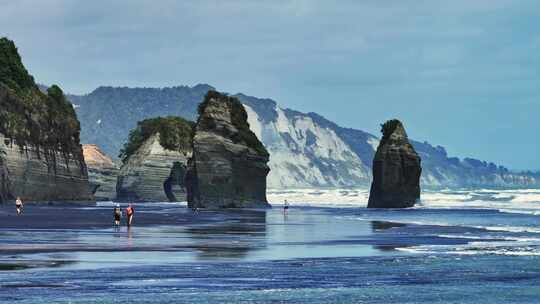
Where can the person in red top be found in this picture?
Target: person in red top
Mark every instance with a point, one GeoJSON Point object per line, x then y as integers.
{"type": "Point", "coordinates": [129, 212]}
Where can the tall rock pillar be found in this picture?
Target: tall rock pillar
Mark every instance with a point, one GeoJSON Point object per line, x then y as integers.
{"type": "Point", "coordinates": [396, 170]}
{"type": "Point", "coordinates": [229, 165]}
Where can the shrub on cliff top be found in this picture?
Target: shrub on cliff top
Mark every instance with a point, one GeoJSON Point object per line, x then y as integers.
{"type": "Point", "coordinates": [62, 120]}
{"type": "Point", "coordinates": [28, 116]}
{"type": "Point", "coordinates": [388, 128]}
{"type": "Point", "coordinates": [239, 119]}
{"type": "Point", "coordinates": [12, 72]}
{"type": "Point", "coordinates": [175, 134]}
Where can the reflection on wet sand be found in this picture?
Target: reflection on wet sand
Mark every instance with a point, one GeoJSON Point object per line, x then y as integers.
{"type": "Point", "coordinates": [9, 265]}
{"type": "Point", "coordinates": [377, 226]}
{"type": "Point", "coordinates": [382, 226]}
{"type": "Point", "coordinates": [239, 233]}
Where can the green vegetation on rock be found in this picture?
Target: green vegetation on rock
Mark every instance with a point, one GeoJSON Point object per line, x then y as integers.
{"type": "Point", "coordinates": [388, 128]}
{"type": "Point", "coordinates": [175, 133]}
{"type": "Point", "coordinates": [28, 116]}
{"type": "Point", "coordinates": [239, 119]}
{"type": "Point", "coordinates": [13, 74]}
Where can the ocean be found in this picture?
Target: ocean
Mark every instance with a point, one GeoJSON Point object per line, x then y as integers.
{"type": "Point", "coordinates": [464, 246]}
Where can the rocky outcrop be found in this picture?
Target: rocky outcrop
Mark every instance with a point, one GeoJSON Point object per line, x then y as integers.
{"type": "Point", "coordinates": [40, 155]}
{"type": "Point", "coordinates": [396, 170]}
{"type": "Point", "coordinates": [42, 176]}
{"type": "Point", "coordinates": [4, 182]}
{"type": "Point", "coordinates": [102, 173]}
{"type": "Point", "coordinates": [229, 165]}
{"type": "Point", "coordinates": [308, 151]}
{"type": "Point", "coordinates": [153, 173]}
{"type": "Point", "coordinates": [99, 110]}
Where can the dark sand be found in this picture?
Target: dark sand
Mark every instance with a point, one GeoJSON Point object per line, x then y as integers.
{"type": "Point", "coordinates": [90, 216]}
{"type": "Point", "coordinates": [44, 228]}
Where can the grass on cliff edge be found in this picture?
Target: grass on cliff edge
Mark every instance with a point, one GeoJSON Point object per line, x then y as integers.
{"type": "Point", "coordinates": [239, 119]}
{"type": "Point", "coordinates": [29, 116]}
{"type": "Point", "coordinates": [388, 128]}
{"type": "Point", "coordinates": [175, 134]}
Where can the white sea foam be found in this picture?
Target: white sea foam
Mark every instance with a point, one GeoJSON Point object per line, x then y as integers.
{"type": "Point", "coordinates": [322, 198]}
{"type": "Point", "coordinates": [520, 211]}
{"type": "Point", "coordinates": [511, 240]}
{"type": "Point", "coordinates": [525, 201]}
{"type": "Point", "coordinates": [491, 237]}
{"type": "Point", "coordinates": [510, 229]}
{"type": "Point", "coordinates": [475, 248]}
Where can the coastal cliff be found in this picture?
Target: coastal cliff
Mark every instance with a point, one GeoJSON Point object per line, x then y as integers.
{"type": "Point", "coordinates": [40, 154]}
{"type": "Point", "coordinates": [307, 150]}
{"type": "Point", "coordinates": [155, 161]}
{"type": "Point", "coordinates": [229, 164]}
{"type": "Point", "coordinates": [102, 173]}
{"type": "Point", "coordinates": [396, 170]}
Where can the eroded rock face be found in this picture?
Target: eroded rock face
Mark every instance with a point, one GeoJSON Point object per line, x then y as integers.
{"type": "Point", "coordinates": [102, 173]}
{"type": "Point", "coordinates": [37, 175]}
{"type": "Point", "coordinates": [308, 151]}
{"type": "Point", "coordinates": [229, 165]}
{"type": "Point", "coordinates": [396, 170]}
{"type": "Point", "coordinates": [40, 153]}
{"type": "Point", "coordinates": [5, 192]}
{"type": "Point", "coordinates": [153, 173]}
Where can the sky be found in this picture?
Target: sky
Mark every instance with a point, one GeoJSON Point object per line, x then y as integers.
{"type": "Point", "coordinates": [462, 74]}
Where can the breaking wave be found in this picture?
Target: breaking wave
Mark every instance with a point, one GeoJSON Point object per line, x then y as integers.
{"type": "Point", "coordinates": [525, 201]}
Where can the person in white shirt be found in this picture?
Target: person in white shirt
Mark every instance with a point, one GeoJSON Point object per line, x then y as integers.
{"type": "Point", "coordinates": [19, 205]}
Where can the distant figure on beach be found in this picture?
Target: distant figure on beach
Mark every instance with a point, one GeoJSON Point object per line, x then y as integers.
{"type": "Point", "coordinates": [18, 205]}
{"type": "Point", "coordinates": [285, 207]}
{"type": "Point", "coordinates": [117, 215]}
{"type": "Point", "coordinates": [129, 212]}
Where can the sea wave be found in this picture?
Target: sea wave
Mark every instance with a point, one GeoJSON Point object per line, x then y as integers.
{"type": "Point", "coordinates": [475, 248]}
{"type": "Point", "coordinates": [526, 201]}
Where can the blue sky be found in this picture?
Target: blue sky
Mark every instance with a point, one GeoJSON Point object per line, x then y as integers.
{"type": "Point", "coordinates": [462, 74]}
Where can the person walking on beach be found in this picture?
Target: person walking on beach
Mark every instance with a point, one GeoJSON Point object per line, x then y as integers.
{"type": "Point", "coordinates": [285, 207]}
{"type": "Point", "coordinates": [19, 205]}
{"type": "Point", "coordinates": [117, 212]}
{"type": "Point", "coordinates": [129, 213]}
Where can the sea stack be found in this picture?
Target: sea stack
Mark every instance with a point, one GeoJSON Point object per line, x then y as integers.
{"type": "Point", "coordinates": [155, 161]}
{"type": "Point", "coordinates": [229, 165]}
{"type": "Point", "coordinates": [102, 173]}
{"type": "Point", "coordinates": [40, 153]}
{"type": "Point", "coordinates": [396, 170]}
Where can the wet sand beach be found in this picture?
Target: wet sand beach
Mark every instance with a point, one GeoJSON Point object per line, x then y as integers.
{"type": "Point", "coordinates": [90, 216]}
{"type": "Point", "coordinates": [73, 254]}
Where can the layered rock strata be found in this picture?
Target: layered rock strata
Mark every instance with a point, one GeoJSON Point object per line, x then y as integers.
{"type": "Point", "coordinates": [308, 151]}
{"type": "Point", "coordinates": [229, 165]}
{"type": "Point", "coordinates": [102, 173]}
{"type": "Point", "coordinates": [153, 173]}
{"type": "Point", "coordinates": [41, 176]}
{"type": "Point", "coordinates": [396, 170]}
{"type": "Point", "coordinates": [40, 154]}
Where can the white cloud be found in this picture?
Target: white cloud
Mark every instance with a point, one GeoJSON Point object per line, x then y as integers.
{"type": "Point", "coordinates": [373, 59]}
